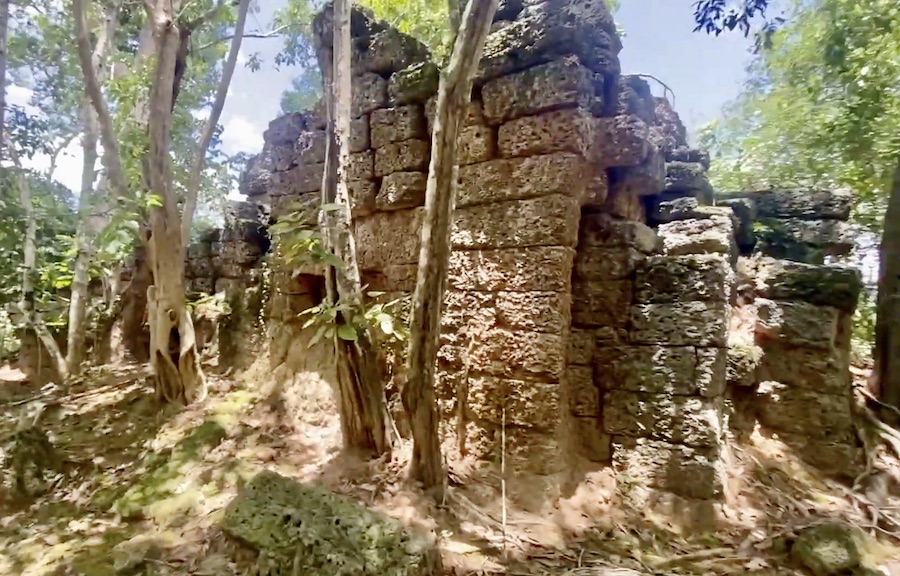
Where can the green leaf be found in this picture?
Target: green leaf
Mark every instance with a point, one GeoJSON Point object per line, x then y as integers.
{"type": "Point", "coordinates": [347, 332]}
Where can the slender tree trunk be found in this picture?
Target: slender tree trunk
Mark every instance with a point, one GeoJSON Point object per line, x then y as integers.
{"type": "Point", "coordinates": [887, 324]}
{"type": "Point", "coordinates": [85, 231]}
{"type": "Point", "coordinates": [434, 256]}
{"type": "Point", "coordinates": [173, 352]}
{"type": "Point", "coordinates": [81, 270]}
{"type": "Point", "coordinates": [365, 421]}
{"type": "Point", "coordinates": [4, 31]}
{"type": "Point", "coordinates": [33, 320]}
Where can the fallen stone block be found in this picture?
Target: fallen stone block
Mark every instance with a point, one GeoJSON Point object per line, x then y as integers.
{"type": "Point", "coordinates": [307, 529]}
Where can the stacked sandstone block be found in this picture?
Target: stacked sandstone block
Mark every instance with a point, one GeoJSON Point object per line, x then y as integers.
{"type": "Point", "coordinates": [647, 354]}
{"type": "Point", "coordinates": [798, 225]}
{"type": "Point", "coordinates": [548, 84]}
{"type": "Point", "coordinates": [665, 408]}
{"type": "Point", "coordinates": [228, 261]}
{"type": "Point", "coordinates": [796, 378]}
{"type": "Point", "coordinates": [227, 257]}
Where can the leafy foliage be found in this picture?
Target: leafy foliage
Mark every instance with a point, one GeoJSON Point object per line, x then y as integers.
{"type": "Point", "coordinates": [300, 246]}
{"type": "Point", "coordinates": [820, 109]}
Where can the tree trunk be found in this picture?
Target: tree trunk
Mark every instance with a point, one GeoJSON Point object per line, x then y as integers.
{"type": "Point", "coordinates": [81, 270]}
{"type": "Point", "coordinates": [173, 353]}
{"type": "Point", "coordinates": [86, 231]}
{"type": "Point", "coordinates": [887, 324]}
{"type": "Point", "coordinates": [365, 421]}
{"type": "Point", "coordinates": [4, 31]}
{"type": "Point", "coordinates": [434, 256]}
{"type": "Point", "coordinates": [33, 320]}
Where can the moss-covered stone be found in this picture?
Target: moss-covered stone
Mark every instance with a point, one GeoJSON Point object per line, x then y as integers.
{"type": "Point", "coordinates": [414, 84]}
{"type": "Point", "coordinates": [827, 549]}
{"type": "Point", "coordinates": [307, 530]}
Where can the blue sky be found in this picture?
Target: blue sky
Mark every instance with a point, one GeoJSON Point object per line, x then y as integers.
{"type": "Point", "coordinates": [704, 72]}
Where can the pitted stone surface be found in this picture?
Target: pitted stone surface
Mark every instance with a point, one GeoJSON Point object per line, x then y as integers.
{"type": "Point", "coordinates": [295, 526]}
{"type": "Point", "coordinates": [558, 131]}
{"type": "Point", "coordinates": [558, 84]}
{"type": "Point", "coordinates": [402, 190]}
{"type": "Point", "coordinates": [680, 324]}
{"type": "Point", "coordinates": [390, 125]}
{"type": "Point", "coordinates": [414, 84]}
{"type": "Point", "coordinates": [546, 221]}
{"type": "Point", "coordinates": [684, 420]}
{"type": "Point", "coordinates": [521, 179]}
{"type": "Point", "coordinates": [689, 472]}
{"type": "Point", "coordinates": [620, 141]}
{"type": "Point", "coordinates": [405, 156]}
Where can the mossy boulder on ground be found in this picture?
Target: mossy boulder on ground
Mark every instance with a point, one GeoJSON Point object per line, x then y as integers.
{"type": "Point", "coordinates": [307, 530]}
{"type": "Point", "coordinates": [827, 549]}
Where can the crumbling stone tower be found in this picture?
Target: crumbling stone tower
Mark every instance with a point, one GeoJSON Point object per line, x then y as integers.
{"type": "Point", "coordinates": [594, 317]}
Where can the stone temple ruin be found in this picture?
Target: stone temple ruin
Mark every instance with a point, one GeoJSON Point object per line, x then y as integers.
{"type": "Point", "coordinates": [603, 301]}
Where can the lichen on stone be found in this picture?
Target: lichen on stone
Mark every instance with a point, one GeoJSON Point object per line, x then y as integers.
{"type": "Point", "coordinates": [743, 358]}
{"type": "Point", "coordinates": [307, 530]}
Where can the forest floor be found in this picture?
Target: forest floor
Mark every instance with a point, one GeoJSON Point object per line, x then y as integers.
{"type": "Point", "coordinates": [134, 472]}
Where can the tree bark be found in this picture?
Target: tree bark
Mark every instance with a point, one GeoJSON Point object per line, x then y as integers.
{"type": "Point", "coordinates": [4, 31]}
{"type": "Point", "coordinates": [454, 93]}
{"type": "Point", "coordinates": [887, 324]}
{"type": "Point", "coordinates": [365, 422]}
{"type": "Point", "coordinates": [85, 233]}
{"type": "Point", "coordinates": [173, 353]}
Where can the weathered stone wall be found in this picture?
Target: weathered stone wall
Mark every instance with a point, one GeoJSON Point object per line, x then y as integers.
{"type": "Point", "coordinates": [601, 310]}
{"type": "Point", "coordinates": [229, 262]}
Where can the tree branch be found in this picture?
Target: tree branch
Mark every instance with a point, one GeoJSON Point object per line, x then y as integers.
{"type": "Point", "coordinates": [190, 198]}
{"type": "Point", "coordinates": [112, 157]}
{"type": "Point", "coordinates": [62, 146]}
{"type": "Point", "coordinates": [256, 35]}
